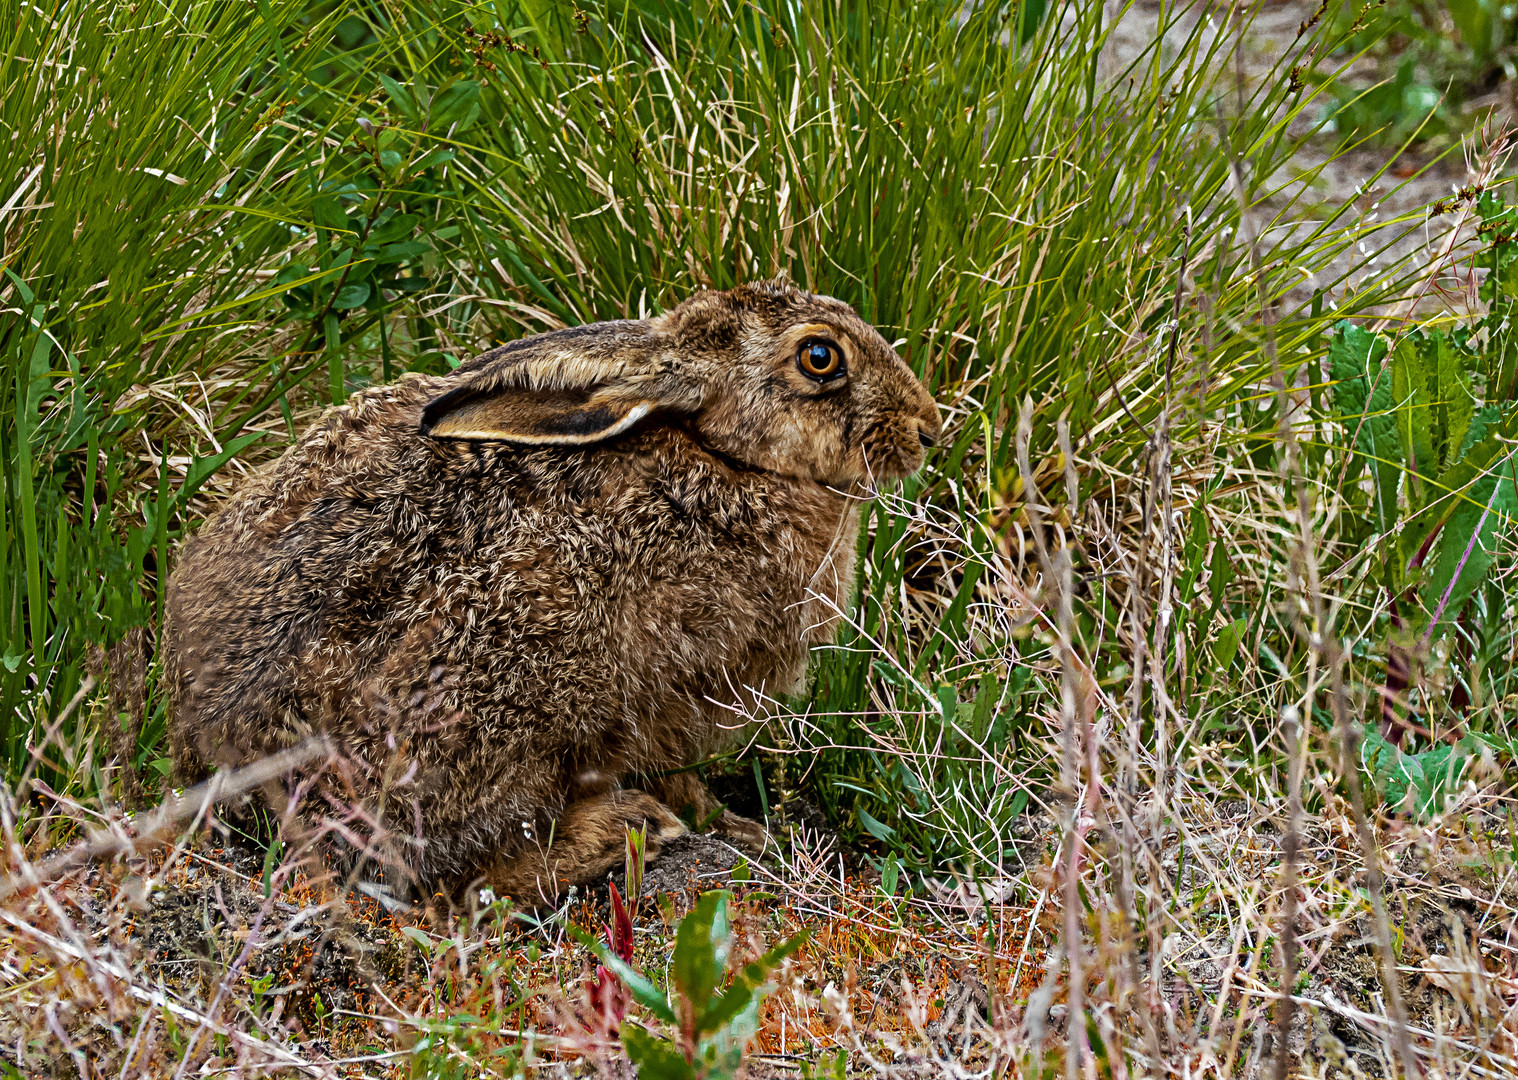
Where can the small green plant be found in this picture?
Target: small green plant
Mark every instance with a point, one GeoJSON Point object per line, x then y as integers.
{"type": "Point", "coordinates": [1430, 416]}
{"type": "Point", "coordinates": [1421, 783]}
{"type": "Point", "coordinates": [713, 1010]}
{"type": "Point", "coordinates": [260, 989]}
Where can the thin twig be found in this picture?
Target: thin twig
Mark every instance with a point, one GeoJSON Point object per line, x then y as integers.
{"type": "Point", "coordinates": [157, 827]}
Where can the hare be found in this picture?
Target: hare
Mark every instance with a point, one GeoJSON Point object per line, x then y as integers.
{"type": "Point", "coordinates": [508, 592]}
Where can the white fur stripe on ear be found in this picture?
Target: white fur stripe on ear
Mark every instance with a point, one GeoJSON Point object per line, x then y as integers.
{"type": "Point", "coordinates": [449, 430]}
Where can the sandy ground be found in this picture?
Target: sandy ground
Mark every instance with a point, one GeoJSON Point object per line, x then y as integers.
{"type": "Point", "coordinates": [1388, 193]}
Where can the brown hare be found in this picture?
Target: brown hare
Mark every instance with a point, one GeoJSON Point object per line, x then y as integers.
{"type": "Point", "coordinates": [507, 593]}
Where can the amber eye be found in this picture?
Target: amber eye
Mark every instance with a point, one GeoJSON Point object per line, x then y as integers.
{"type": "Point", "coordinates": [820, 360]}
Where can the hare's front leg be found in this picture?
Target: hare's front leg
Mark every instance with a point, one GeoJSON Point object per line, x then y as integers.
{"type": "Point", "coordinates": [589, 839]}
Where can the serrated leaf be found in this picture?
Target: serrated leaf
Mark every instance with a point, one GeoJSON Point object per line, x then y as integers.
{"type": "Point", "coordinates": [1363, 398]}
{"type": "Point", "coordinates": [1456, 404]}
{"type": "Point", "coordinates": [1445, 492]}
{"type": "Point", "coordinates": [1481, 420]}
{"type": "Point", "coordinates": [1468, 545]}
{"type": "Point", "coordinates": [1412, 374]}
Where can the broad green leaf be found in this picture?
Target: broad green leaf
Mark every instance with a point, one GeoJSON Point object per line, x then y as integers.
{"type": "Point", "coordinates": [985, 702]}
{"type": "Point", "coordinates": [1219, 574]}
{"type": "Point", "coordinates": [656, 1058]}
{"type": "Point", "coordinates": [1193, 554]}
{"type": "Point", "coordinates": [1383, 762]}
{"type": "Point", "coordinates": [1031, 13]}
{"type": "Point", "coordinates": [455, 107]}
{"type": "Point", "coordinates": [694, 969]}
{"type": "Point", "coordinates": [201, 468]}
{"type": "Point", "coordinates": [437, 157]}
{"type": "Point", "coordinates": [351, 296]}
{"type": "Point", "coordinates": [329, 215]}
{"type": "Point", "coordinates": [402, 250]}
{"type": "Point", "coordinates": [1455, 402]}
{"type": "Point", "coordinates": [1363, 397]}
{"type": "Point", "coordinates": [417, 935]}
{"type": "Point", "coordinates": [395, 229]}
{"type": "Point", "coordinates": [1226, 647]}
{"type": "Point", "coordinates": [1468, 544]}
{"type": "Point", "coordinates": [747, 985]}
{"type": "Point", "coordinates": [1412, 374]}
{"type": "Point", "coordinates": [1473, 18]}
{"type": "Point", "coordinates": [876, 828]}
{"type": "Point", "coordinates": [402, 98]}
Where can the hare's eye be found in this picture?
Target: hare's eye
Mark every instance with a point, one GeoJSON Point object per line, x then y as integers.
{"type": "Point", "coordinates": [820, 360]}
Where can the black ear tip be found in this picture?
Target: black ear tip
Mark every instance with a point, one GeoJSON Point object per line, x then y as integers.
{"type": "Point", "coordinates": [439, 406]}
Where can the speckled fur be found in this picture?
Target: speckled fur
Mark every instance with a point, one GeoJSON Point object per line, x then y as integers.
{"type": "Point", "coordinates": [498, 635]}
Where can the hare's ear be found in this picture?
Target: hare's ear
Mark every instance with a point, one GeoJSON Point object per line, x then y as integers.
{"type": "Point", "coordinates": [574, 416]}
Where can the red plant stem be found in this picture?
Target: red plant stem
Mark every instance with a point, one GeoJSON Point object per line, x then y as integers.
{"type": "Point", "coordinates": [1399, 659]}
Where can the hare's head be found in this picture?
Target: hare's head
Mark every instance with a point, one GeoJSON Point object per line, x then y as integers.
{"type": "Point", "coordinates": [775, 378]}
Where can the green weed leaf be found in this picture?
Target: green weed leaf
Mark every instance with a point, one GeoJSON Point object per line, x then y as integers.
{"type": "Point", "coordinates": [746, 987]}
{"type": "Point", "coordinates": [402, 98]}
{"type": "Point", "coordinates": [876, 828]}
{"type": "Point", "coordinates": [643, 990]}
{"type": "Point", "coordinates": [696, 968]}
{"type": "Point", "coordinates": [455, 107]}
{"type": "Point", "coordinates": [1411, 376]}
{"type": "Point", "coordinates": [1363, 398]}
{"type": "Point", "coordinates": [1468, 545]}
{"type": "Point", "coordinates": [1226, 646]}
{"type": "Point", "coordinates": [351, 296]}
{"type": "Point", "coordinates": [656, 1058]}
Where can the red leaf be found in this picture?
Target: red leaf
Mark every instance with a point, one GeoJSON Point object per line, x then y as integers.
{"type": "Point", "coordinates": [619, 935]}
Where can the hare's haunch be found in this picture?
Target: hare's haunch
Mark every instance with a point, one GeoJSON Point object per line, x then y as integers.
{"type": "Point", "coordinates": [505, 592]}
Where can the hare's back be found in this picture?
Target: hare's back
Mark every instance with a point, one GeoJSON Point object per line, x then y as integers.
{"type": "Point", "coordinates": [246, 599]}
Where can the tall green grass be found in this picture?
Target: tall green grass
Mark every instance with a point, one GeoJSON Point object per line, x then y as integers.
{"type": "Point", "coordinates": [221, 217]}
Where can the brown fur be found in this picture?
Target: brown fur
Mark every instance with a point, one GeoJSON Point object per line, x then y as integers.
{"type": "Point", "coordinates": [503, 591]}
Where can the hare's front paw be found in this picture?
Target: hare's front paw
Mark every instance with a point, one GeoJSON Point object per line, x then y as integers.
{"type": "Point", "coordinates": [589, 839]}
{"type": "Point", "coordinates": [609, 817]}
